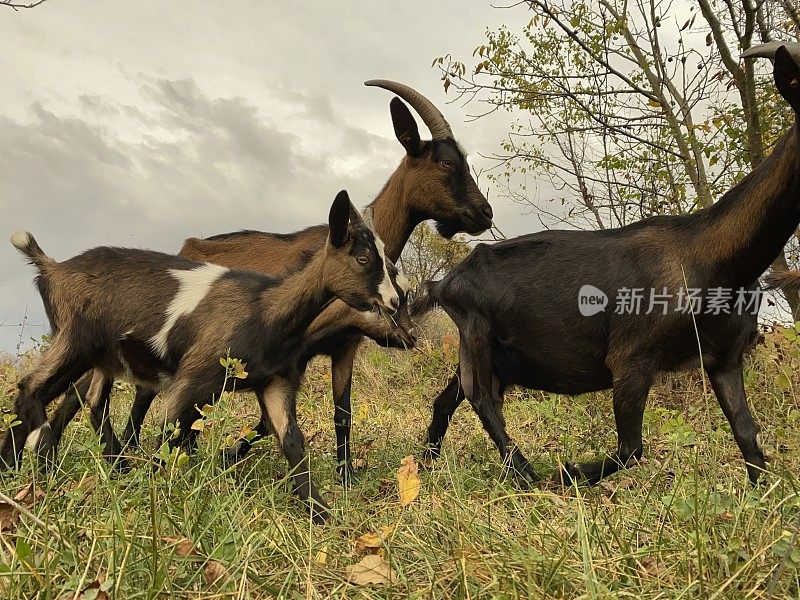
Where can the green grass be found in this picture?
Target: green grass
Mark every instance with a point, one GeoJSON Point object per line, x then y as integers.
{"type": "Point", "coordinates": [683, 524]}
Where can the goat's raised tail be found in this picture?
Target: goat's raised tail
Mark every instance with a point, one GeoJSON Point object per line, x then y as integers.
{"type": "Point", "coordinates": [788, 281]}
{"type": "Point", "coordinates": [427, 300]}
{"type": "Point", "coordinates": [26, 244]}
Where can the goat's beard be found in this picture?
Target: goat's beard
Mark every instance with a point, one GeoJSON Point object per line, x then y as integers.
{"type": "Point", "coordinates": [447, 229]}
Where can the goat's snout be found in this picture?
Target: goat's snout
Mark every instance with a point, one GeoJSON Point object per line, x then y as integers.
{"type": "Point", "coordinates": [486, 211]}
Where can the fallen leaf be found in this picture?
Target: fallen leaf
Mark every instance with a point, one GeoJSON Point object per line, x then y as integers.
{"type": "Point", "coordinates": [213, 572]}
{"type": "Point", "coordinates": [28, 495]}
{"type": "Point", "coordinates": [183, 546]}
{"type": "Point", "coordinates": [322, 556]}
{"type": "Point", "coordinates": [408, 480]}
{"type": "Point", "coordinates": [8, 516]}
{"type": "Point", "coordinates": [370, 542]}
{"type": "Point", "coordinates": [366, 543]}
{"type": "Point", "coordinates": [93, 591]}
{"type": "Point", "coordinates": [370, 570]}
{"type": "Point", "coordinates": [87, 482]}
{"type": "Point", "coordinates": [650, 566]}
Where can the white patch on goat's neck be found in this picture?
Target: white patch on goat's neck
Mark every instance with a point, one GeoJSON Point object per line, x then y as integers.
{"type": "Point", "coordinates": [403, 282]}
{"type": "Point", "coordinates": [193, 285]}
{"type": "Point", "coordinates": [370, 316]}
{"type": "Point", "coordinates": [386, 289]}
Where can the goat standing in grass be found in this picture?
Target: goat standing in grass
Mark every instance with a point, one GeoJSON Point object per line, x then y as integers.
{"type": "Point", "coordinates": [516, 306]}
{"type": "Point", "coordinates": [433, 181]}
{"type": "Point", "coordinates": [189, 315]}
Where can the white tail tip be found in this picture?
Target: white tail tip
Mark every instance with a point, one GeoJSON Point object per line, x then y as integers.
{"type": "Point", "coordinates": [21, 239]}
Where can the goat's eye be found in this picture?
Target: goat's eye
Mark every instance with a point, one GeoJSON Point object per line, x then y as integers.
{"type": "Point", "coordinates": [447, 164]}
{"type": "Point", "coordinates": [362, 259]}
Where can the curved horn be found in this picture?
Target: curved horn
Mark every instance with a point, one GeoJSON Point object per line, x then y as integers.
{"type": "Point", "coordinates": [433, 119]}
{"type": "Point", "coordinates": [768, 50]}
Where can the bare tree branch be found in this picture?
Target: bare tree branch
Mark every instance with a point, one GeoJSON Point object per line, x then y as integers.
{"type": "Point", "coordinates": [19, 5]}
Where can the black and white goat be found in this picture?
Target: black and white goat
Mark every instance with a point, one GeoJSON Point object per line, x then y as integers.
{"type": "Point", "coordinates": [165, 321]}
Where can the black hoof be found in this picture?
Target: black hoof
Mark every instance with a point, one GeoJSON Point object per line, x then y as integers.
{"type": "Point", "coordinates": [346, 474]}
{"type": "Point", "coordinates": [566, 476]}
{"type": "Point", "coordinates": [319, 513]}
{"type": "Point", "coordinates": [234, 454]}
{"type": "Point", "coordinates": [429, 456]}
{"type": "Point", "coordinates": [120, 464]}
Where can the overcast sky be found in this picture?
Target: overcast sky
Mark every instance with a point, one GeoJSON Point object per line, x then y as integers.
{"type": "Point", "coordinates": [141, 124]}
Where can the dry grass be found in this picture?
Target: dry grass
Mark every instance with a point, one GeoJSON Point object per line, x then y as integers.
{"type": "Point", "coordinates": [683, 524]}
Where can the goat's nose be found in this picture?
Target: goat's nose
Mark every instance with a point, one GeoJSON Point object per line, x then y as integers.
{"type": "Point", "coordinates": [394, 303]}
{"type": "Point", "coordinates": [487, 211]}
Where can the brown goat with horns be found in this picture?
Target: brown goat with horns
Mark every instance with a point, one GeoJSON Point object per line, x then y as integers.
{"type": "Point", "coordinates": [433, 181]}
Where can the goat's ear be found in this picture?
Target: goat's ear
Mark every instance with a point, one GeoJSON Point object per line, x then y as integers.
{"type": "Point", "coordinates": [787, 77]}
{"type": "Point", "coordinates": [339, 220]}
{"type": "Point", "coordinates": [405, 127]}
{"type": "Point", "coordinates": [356, 220]}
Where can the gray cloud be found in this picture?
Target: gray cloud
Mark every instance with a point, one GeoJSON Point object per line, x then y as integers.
{"type": "Point", "coordinates": [143, 124]}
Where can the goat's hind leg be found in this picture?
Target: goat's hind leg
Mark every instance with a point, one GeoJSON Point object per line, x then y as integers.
{"type": "Point", "coordinates": [60, 365]}
{"type": "Point", "coordinates": [242, 446]}
{"type": "Point", "coordinates": [98, 398]}
{"type": "Point", "coordinates": [141, 405]}
{"type": "Point", "coordinates": [484, 393]}
{"type": "Point", "coordinates": [630, 397]}
{"type": "Point", "coordinates": [70, 405]}
{"type": "Point", "coordinates": [728, 385]}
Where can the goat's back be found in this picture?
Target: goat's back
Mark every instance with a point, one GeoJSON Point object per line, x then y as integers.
{"type": "Point", "coordinates": [268, 253]}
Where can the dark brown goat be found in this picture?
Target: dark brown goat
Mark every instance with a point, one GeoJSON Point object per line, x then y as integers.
{"type": "Point", "coordinates": [516, 305]}
{"type": "Point", "coordinates": [108, 304]}
{"type": "Point", "coordinates": [433, 181]}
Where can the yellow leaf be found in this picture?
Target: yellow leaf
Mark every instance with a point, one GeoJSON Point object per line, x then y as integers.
{"type": "Point", "coordinates": [322, 556]}
{"type": "Point", "coordinates": [370, 570]}
{"type": "Point", "coordinates": [408, 480]}
{"type": "Point", "coordinates": [368, 543]}
{"type": "Point", "coordinates": [199, 425]}
{"type": "Point", "coordinates": [363, 412]}
{"type": "Point", "coordinates": [654, 103]}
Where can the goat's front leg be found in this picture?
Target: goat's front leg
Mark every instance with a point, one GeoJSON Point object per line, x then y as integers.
{"type": "Point", "coordinates": [728, 384]}
{"type": "Point", "coordinates": [342, 381]}
{"type": "Point", "coordinates": [277, 400]}
{"type": "Point", "coordinates": [444, 407]}
{"type": "Point", "coordinates": [630, 397]}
